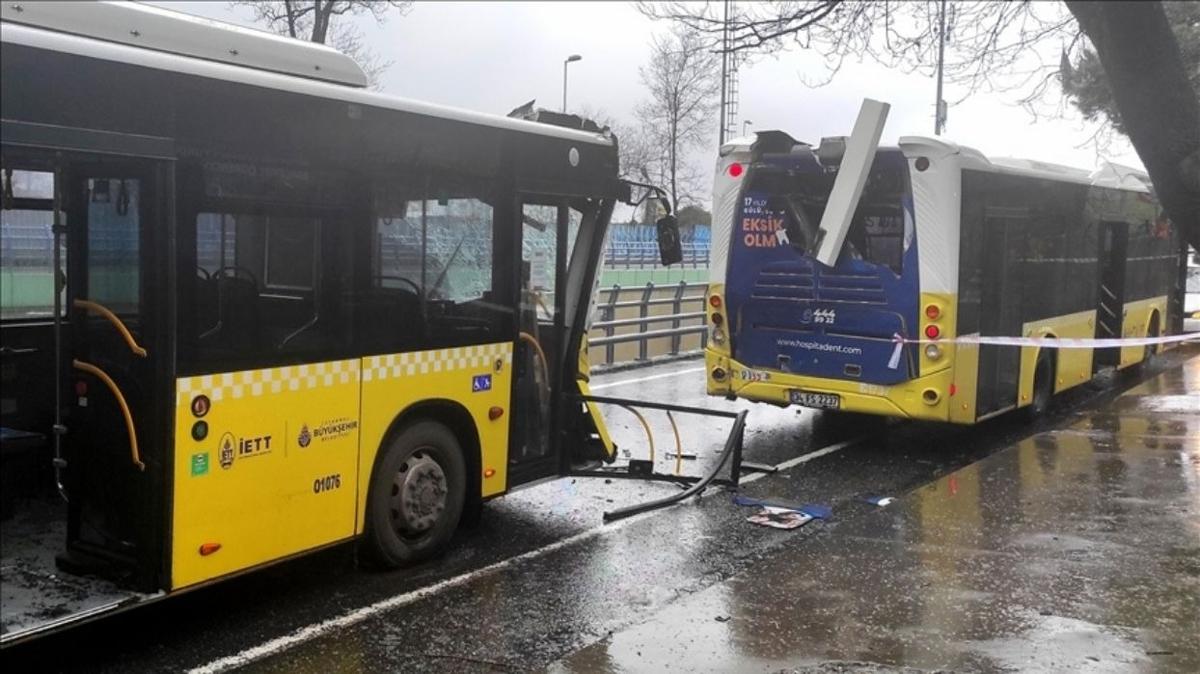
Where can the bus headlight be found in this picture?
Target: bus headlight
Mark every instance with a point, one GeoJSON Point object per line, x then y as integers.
{"type": "Point", "coordinates": [718, 336]}
{"type": "Point", "coordinates": [933, 351]}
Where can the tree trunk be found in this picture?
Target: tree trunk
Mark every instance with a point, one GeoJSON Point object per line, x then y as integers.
{"type": "Point", "coordinates": [321, 16]}
{"type": "Point", "coordinates": [1150, 87]}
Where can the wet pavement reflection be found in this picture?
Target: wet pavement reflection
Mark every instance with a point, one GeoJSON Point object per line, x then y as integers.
{"type": "Point", "coordinates": [1077, 548]}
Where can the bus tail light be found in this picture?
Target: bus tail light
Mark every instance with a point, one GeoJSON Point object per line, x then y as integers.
{"type": "Point", "coordinates": [718, 336]}
{"type": "Point", "coordinates": [933, 312]}
{"type": "Point", "coordinates": [718, 373]}
{"type": "Point", "coordinates": [735, 170]}
{"type": "Point", "coordinates": [933, 331]}
{"type": "Point", "coordinates": [933, 351]}
{"type": "Point", "coordinates": [717, 319]}
{"type": "Point", "coordinates": [714, 301]}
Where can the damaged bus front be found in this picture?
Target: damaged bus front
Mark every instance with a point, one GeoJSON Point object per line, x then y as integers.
{"type": "Point", "coordinates": [789, 329]}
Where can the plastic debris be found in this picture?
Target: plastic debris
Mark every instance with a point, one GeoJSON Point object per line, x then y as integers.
{"type": "Point", "coordinates": [779, 518]}
{"type": "Point", "coordinates": [881, 501]}
{"type": "Point", "coordinates": [813, 510]}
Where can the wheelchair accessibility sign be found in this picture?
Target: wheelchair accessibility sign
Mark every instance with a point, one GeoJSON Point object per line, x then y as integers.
{"type": "Point", "coordinates": [481, 382]}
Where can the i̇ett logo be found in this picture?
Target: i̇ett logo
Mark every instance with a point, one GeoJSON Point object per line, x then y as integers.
{"type": "Point", "coordinates": [225, 452]}
{"type": "Point", "coordinates": [305, 436]}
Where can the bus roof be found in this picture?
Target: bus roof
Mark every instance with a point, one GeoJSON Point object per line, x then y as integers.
{"type": "Point", "coordinates": [1108, 175]}
{"type": "Point", "coordinates": [166, 40]}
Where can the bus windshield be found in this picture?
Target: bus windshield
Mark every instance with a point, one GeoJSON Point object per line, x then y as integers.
{"type": "Point", "coordinates": [879, 233]}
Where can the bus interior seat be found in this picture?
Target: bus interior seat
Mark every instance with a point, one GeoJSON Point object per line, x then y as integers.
{"type": "Point", "coordinates": [238, 326]}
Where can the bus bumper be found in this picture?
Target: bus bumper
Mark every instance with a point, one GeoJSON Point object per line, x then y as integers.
{"type": "Point", "coordinates": [930, 397]}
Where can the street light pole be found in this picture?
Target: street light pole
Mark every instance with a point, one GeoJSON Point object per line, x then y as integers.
{"type": "Point", "coordinates": [745, 123]}
{"type": "Point", "coordinates": [570, 59]}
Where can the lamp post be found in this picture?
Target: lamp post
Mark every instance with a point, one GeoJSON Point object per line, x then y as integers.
{"type": "Point", "coordinates": [745, 123]}
{"type": "Point", "coordinates": [570, 59]}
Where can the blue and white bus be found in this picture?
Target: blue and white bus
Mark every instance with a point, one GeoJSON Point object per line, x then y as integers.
{"type": "Point", "coordinates": [944, 242]}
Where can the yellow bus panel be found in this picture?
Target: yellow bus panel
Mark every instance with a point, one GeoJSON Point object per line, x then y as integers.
{"type": "Point", "coordinates": [266, 466]}
{"type": "Point", "coordinates": [474, 377]}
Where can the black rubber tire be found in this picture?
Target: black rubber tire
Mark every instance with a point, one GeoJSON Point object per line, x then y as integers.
{"type": "Point", "coordinates": [382, 543]}
{"type": "Point", "coordinates": [1043, 387]}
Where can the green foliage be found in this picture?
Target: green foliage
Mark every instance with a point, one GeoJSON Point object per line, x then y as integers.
{"type": "Point", "coordinates": [1086, 85]}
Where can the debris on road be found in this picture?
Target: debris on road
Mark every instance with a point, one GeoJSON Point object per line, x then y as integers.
{"type": "Point", "coordinates": [779, 518]}
{"type": "Point", "coordinates": [813, 510]}
{"type": "Point", "coordinates": [881, 501]}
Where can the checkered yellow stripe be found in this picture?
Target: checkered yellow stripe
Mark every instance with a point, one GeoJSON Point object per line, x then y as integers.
{"type": "Point", "coordinates": [274, 380]}
{"type": "Point", "coordinates": [482, 358]}
{"type": "Point", "coordinates": [254, 383]}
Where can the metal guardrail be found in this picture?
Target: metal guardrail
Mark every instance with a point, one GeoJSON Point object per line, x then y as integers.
{"type": "Point", "coordinates": [684, 293]}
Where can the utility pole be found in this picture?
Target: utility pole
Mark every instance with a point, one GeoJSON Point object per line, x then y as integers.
{"type": "Point", "coordinates": [724, 71]}
{"type": "Point", "coordinates": [569, 60]}
{"type": "Point", "coordinates": [939, 108]}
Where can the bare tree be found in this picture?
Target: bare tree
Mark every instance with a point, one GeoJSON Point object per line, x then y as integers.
{"type": "Point", "coordinates": [994, 46]}
{"type": "Point", "coordinates": [319, 21]}
{"type": "Point", "coordinates": [682, 79]}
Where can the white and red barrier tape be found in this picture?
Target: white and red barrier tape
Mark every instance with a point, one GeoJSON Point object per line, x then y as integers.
{"type": "Point", "coordinates": [1048, 342]}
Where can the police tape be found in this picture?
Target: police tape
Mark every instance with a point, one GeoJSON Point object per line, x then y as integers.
{"type": "Point", "coordinates": [1047, 342]}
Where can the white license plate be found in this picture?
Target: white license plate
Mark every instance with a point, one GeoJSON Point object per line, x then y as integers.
{"type": "Point", "coordinates": [825, 401]}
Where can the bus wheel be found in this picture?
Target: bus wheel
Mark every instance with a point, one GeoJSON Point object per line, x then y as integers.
{"type": "Point", "coordinates": [1043, 387]}
{"type": "Point", "coordinates": [416, 495]}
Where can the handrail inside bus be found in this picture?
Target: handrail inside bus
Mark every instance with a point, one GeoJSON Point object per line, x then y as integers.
{"type": "Point", "coordinates": [105, 312]}
{"type": "Point", "coordinates": [112, 386]}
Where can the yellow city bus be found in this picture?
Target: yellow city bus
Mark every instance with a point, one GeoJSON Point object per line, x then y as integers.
{"type": "Point", "coordinates": [943, 243]}
{"type": "Point", "coordinates": [252, 309]}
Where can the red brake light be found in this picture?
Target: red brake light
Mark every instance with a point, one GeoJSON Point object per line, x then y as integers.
{"type": "Point", "coordinates": [933, 312]}
{"type": "Point", "coordinates": [932, 331]}
{"type": "Point", "coordinates": [714, 301]}
{"type": "Point", "coordinates": [735, 170]}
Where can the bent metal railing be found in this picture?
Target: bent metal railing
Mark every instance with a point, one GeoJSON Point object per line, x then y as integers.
{"type": "Point", "coordinates": [682, 323]}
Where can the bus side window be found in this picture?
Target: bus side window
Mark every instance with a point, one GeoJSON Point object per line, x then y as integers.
{"type": "Point", "coordinates": [434, 266]}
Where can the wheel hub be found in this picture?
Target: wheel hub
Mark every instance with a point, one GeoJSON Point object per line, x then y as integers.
{"type": "Point", "coordinates": [418, 494]}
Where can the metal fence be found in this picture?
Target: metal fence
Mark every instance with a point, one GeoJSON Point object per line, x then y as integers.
{"type": "Point", "coordinates": [627, 314]}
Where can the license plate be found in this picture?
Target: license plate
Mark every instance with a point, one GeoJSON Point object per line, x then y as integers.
{"type": "Point", "coordinates": [825, 401]}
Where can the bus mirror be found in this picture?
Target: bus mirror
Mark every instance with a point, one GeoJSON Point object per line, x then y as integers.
{"type": "Point", "coordinates": [670, 250]}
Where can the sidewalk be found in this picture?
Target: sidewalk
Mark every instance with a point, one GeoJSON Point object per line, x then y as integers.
{"type": "Point", "coordinates": [1075, 549]}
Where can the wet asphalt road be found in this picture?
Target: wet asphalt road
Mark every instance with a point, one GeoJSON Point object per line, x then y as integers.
{"type": "Point", "coordinates": [541, 578]}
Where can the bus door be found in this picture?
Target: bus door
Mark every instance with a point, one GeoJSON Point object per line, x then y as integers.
{"type": "Point", "coordinates": [1114, 242]}
{"type": "Point", "coordinates": [112, 365]}
{"type": "Point", "coordinates": [547, 231]}
{"type": "Point", "coordinates": [1000, 303]}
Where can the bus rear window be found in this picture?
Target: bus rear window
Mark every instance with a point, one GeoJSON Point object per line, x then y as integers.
{"type": "Point", "coordinates": [879, 232]}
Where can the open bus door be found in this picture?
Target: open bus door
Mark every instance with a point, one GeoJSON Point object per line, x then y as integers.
{"type": "Point", "coordinates": [88, 539]}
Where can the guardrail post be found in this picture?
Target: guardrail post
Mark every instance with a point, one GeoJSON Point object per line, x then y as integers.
{"type": "Point", "coordinates": [643, 312]}
{"type": "Point", "coordinates": [676, 309]}
{"type": "Point", "coordinates": [608, 313]}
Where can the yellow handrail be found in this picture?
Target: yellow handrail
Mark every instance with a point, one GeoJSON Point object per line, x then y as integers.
{"type": "Point", "coordinates": [678, 444]}
{"type": "Point", "coordinates": [112, 386]}
{"type": "Point", "coordinates": [645, 425]}
{"type": "Point", "coordinates": [98, 308]}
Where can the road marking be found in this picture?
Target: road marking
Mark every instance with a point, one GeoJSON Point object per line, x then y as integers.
{"type": "Point", "coordinates": [805, 458]}
{"type": "Point", "coordinates": [300, 635]}
{"type": "Point", "coordinates": [650, 378]}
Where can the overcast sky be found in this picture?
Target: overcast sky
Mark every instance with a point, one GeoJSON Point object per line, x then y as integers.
{"type": "Point", "coordinates": [494, 56]}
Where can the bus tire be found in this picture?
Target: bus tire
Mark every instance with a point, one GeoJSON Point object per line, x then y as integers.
{"type": "Point", "coordinates": [416, 495]}
{"type": "Point", "coordinates": [1043, 387]}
